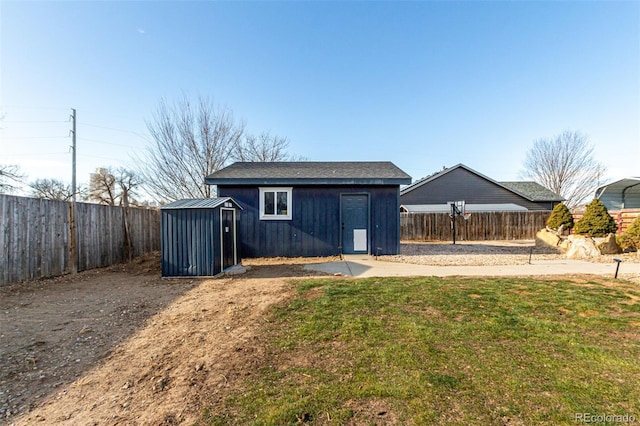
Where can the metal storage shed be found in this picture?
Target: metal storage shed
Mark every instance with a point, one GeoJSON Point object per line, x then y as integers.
{"type": "Point", "coordinates": [199, 237]}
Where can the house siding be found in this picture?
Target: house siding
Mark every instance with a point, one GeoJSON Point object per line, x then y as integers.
{"type": "Point", "coordinates": [315, 228]}
{"type": "Point", "coordinates": [461, 184]}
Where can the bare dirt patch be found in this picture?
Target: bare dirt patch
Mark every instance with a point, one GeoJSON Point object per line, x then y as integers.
{"type": "Point", "coordinates": [120, 345]}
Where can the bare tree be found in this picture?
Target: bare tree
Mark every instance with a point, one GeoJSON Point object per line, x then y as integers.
{"type": "Point", "coordinates": [10, 177]}
{"type": "Point", "coordinates": [566, 165]}
{"type": "Point", "coordinates": [263, 148]}
{"type": "Point", "coordinates": [102, 187]}
{"type": "Point", "coordinates": [189, 143]}
{"type": "Point", "coordinates": [54, 189]}
{"type": "Point", "coordinates": [113, 187]}
{"type": "Point", "coordinates": [128, 183]}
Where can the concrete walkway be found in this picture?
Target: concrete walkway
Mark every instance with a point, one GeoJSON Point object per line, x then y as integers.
{"type": "Point", "coordinates": [367, 266]}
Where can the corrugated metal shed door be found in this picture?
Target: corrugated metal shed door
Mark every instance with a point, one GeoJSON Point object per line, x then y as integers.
{"type": "Point", "coordinates": [228, 238]}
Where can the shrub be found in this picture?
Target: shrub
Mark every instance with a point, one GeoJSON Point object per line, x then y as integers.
{"type": "Point", "coordinates": [560, 216]}
{"type": "Point", "coordinates": [596, 221]}
{"type": "Point", "coordinates": [630, 240]}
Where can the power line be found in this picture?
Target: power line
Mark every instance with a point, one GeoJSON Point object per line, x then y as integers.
{"type": "Point", "coordinates": [102, 158]}
{"type": "Point", "coordinates": [39, 154]}
{"type": "Point", "coordinates": [112, 128]}
{"type": "Point", "coordinates": [103, 142]}
{"type": "Point", "coordinates": [32, 122]}
{"type": "Point", "coordinates": [34, 107]}
{"type": "Point", "coordinates": [36, 137]}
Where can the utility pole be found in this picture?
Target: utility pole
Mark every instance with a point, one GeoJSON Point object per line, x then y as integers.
{"type": "Point", "coordinates": [73, 225]}
{"type": "Point", "coordinates": [73, 148]}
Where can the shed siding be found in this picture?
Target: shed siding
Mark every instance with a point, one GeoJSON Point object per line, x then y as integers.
{"type": "Point", "coordinates": [191, 242]}
{"type": "Point", "coordinates": [315, 228]}
{"type": "Point", "coordinates": [461, 184]}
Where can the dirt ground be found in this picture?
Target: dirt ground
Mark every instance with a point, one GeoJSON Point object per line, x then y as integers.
{"type": "Point", "coordinates": [121, 346]}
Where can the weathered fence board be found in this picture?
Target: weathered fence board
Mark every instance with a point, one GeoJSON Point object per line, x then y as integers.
{"type": "Point", "coordinates": [479, 227]}
{"type": "Point", "coordinates": [624, 218]}
{"type": "Point", "coordinates": [490, 226]}
{"type": "Point", "coordinates": [35, 236]}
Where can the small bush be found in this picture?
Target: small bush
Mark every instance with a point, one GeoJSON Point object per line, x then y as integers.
{"type": "Point", "coordinates": [630, 240]}
{"type": "Point", "coordinates": [596, 222]}
{"type": "Point", "coordinates": [560, 216]}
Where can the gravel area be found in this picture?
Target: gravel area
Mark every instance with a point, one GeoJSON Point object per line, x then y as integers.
{"type": "Point", "coordinates": [479, 253]}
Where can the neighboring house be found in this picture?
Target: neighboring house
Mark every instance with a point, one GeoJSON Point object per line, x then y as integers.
{"type": "Point", "coordinates": [621, 194]}
{"type": "Point", "coordinates": [479, 192]}
{"type": "Point", "coordinates": [315, 208]}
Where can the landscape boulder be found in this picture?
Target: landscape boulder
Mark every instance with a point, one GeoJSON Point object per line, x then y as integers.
{"type": "Point", "coordinates": [608, 245]}
{"type": "Point", "coordinates": [547, 238]}
{"type": "Point", "coordinates": [581, 247]}
{"type": "Point", "coordinates": [564, 245]}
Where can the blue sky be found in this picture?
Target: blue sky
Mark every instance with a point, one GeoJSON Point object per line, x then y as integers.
{"type": "Point", "coordinates": [422, 84]}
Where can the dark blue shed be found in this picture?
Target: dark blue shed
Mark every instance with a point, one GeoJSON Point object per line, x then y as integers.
{"type": "Point", "coordinates": [199, 237]}
{"type": "Point", "coordinates": [315, 208]}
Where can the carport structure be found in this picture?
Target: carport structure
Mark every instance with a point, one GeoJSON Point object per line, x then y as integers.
{"type": "Point", "coordinates": [621, 194]}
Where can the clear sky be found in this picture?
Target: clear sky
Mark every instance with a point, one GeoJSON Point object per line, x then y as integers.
{"type": "Point", "coordinates": [423, 84]}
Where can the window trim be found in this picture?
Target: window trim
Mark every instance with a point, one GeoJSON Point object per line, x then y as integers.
{"type": "Point", "coordinates": [276, 189]}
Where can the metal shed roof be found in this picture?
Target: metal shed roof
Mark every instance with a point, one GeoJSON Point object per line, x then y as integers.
{"type": "Point", "coordinates": [311, 173]}
{"type": "Point", "coordinates": [623, 193]}
{"type": "Point", "coordinates": [199, 203]}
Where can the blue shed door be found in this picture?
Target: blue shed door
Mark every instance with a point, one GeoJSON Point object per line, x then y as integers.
{"type": "Point", "coordinates": [354, 213]}
{"type": "Point", "coordinates": [228, 225]}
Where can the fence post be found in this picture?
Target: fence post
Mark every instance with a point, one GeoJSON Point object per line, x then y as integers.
{"type": "Point", "coordinates": [73, 238]}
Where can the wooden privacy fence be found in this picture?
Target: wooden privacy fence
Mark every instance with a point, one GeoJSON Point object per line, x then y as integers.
{"type": "Point", "coordinates": [36, 238]}
{"type": "Point", "coordinates": [479, 227]}
{"type": "Point", "coordinates": [624, 218]}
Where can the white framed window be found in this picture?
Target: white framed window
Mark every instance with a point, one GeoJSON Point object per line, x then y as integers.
{"type": "Point", "coordinates": [275, 203]}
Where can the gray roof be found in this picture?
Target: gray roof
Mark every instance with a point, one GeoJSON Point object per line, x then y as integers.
{"type": "Point", "coordinates": [310, 172]}
{"type": "Point", "coordinates": [199, 203]}
{"type": "Point", "coordinates": [533, 191]}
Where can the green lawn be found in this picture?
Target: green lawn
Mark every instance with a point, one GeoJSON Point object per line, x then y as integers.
{"type": "Point", "coordinates": [435, 351]}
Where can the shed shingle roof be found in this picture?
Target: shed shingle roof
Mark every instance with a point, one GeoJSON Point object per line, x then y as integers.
{"type": "Point", "coordinates": [310, 172]}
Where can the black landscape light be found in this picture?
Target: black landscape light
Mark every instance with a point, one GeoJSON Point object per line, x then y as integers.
{"type": "Point", "coordinates": [615, 259]}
